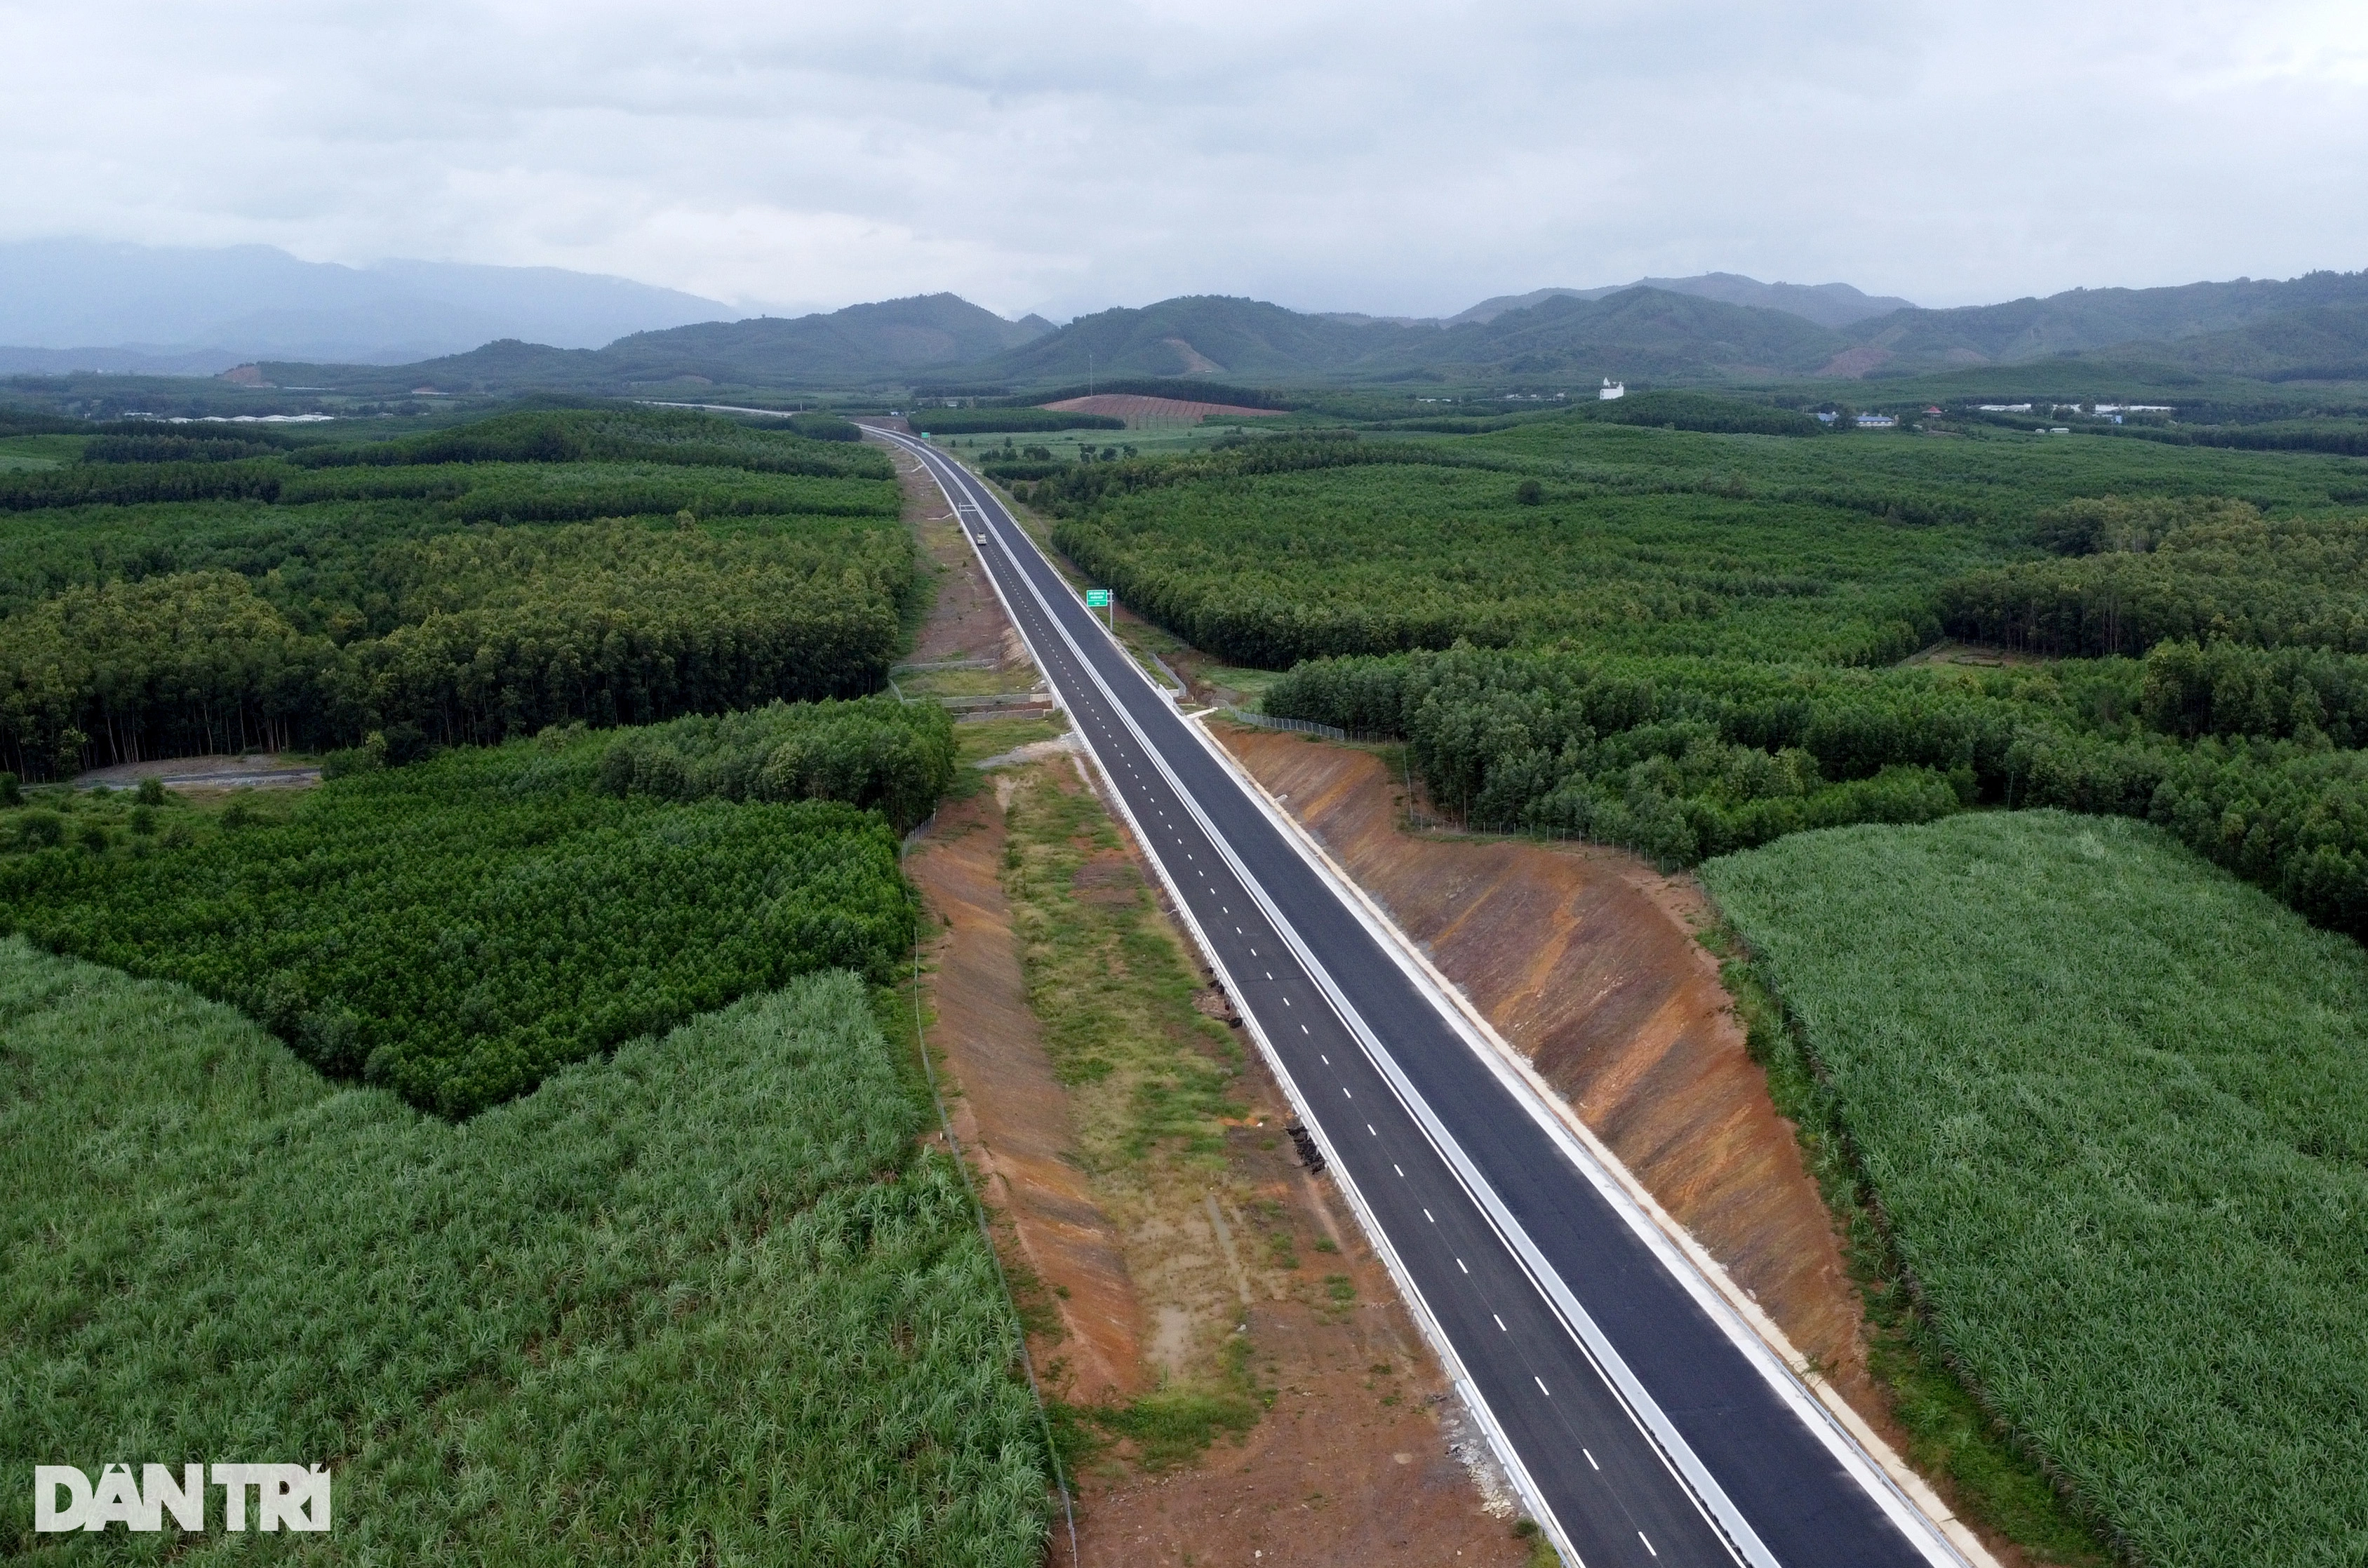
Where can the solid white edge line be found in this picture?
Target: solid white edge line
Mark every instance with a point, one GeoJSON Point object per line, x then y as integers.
{"type": "Point", "coordinates": [1418, 1307]}
{"type": "Point", "coordinates": [1926, 1522]}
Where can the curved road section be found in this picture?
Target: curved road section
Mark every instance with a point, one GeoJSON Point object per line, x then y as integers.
{"type": "Point", "coordinates": [1643, 1422]}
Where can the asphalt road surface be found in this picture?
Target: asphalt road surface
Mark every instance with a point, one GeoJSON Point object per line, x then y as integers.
{"type": "Point", "coordinates": [1643, 1422]}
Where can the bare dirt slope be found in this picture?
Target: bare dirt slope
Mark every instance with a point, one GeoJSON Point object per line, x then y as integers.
{"type": "Point", "coordinates": [1010, 1112]}
{"type": "Point", "coordinates": [1585, 959]}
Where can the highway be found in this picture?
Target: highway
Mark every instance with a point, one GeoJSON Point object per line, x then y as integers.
{"type": "Point", "coordinates": [1642, 1423]}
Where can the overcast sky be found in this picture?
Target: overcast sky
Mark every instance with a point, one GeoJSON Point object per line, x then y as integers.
{"type": "Point", "coordinates": [1399, 159]}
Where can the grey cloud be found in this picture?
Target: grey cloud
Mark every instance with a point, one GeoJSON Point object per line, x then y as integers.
{"type": "Point", "coordinates": [1396, 159]}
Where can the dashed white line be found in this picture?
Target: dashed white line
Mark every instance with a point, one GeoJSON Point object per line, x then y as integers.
{"type": "Point", "coordinates": [1427, 1214]}
{"type": "Point", "coordinates": [1500, 1324]}
{"type": "Point", "coordinates": [1590, 1458]}
{"type": "Point", "coordinates": [1346, 1091]}
{"type": "Point", "coordinates": [1533, 1377]}
{"type": "Point", "coordinates": [1460, 1264]}
{"type": "Point", "coordinates": [1401, 1170]}
{"type": "Point", "coordinates": [1648, 1540]}
{"type": "Point", "coordinates": [1369, 1127]}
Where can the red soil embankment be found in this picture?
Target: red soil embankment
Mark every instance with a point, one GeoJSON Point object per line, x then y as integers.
{"type": "Point", "coordinates": [1585, 959]}
{"type": "Point", "coordinates": [1142, 411]}
{"type": "Point", "coordinates": [1012, 1113]}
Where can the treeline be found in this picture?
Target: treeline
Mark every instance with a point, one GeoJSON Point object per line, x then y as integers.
{"type": "Point", "coordinates": [2234, 575]}
{"type": "Point", "coordinates": [1669, 410]}
{"type": "Point", "coordinates": [1683, 760]}
{"type": "Point", "coordinates": [488, 490]}
{"type": "Point", "coordinates": [508, 631]}
{"type": "Point", "coordinates": [1020, 421]}
{"type": "Point", "coordinates": [892, 757]}
{"type": "Point", "coordinates": [681, 437]}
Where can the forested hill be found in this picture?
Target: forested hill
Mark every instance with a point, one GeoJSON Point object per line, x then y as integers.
{"type": "Point", "coordinates": [2086, 320]}
{"type": "Point", "coordinates": [1636, 331]}
{"type": "Point", "coordinates": [2310, 328]}
{"type": "Point", "coordinates": [860, 343]}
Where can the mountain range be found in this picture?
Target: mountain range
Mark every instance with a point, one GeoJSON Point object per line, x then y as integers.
{"type": "Point", "coordinates": [1713, 328]}
{"type": "Point", "coordinates": [86, 304]}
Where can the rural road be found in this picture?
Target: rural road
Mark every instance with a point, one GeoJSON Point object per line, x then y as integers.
{"type": "Point", "coordinates": [1644, 1424]}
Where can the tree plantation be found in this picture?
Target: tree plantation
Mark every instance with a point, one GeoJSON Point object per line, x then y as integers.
{"type": "Point", "coordinates": [2097, 1091]}
{"type": "Point", "coordinates": [519, 579]}
{"type": "Point", "coordinates": [456, 929]}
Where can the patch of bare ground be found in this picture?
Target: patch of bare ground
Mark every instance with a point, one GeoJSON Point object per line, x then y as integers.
{"type": "Point", "coordinates": [1140, 413]}
{"type": "Point", "coordinates": [1587, 961]}
{"type": "Point", "coordinates": [196, 775]}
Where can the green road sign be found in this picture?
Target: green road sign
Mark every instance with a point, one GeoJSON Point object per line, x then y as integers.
{"type": "Point", "coordinates": [1098, 598]}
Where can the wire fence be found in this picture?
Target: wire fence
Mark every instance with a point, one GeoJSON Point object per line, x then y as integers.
{"type": "Point", "coordinates": [1302, 726]}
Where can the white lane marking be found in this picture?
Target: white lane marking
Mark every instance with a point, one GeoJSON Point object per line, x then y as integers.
{"type": "Point", "coordinates": [1400, 1169]}
{"type": "Point", "coordinates": [1460, 1264]}
{"type": "Point", "coordinates": [1590, 1458]}
{"type": "Point", "coordinates": [1269, 974]}
{"type": "Point", "coordinates": [1345, 1091]}
{"type": "Point", "coordinates": [1542, 1385]}
{"type": "Point", "coordinates": [1286, 1001]}
{"type": "Point", "coordinates": [1327, 1061]}
{"type": "Point", "coordinates": [1237, 930]}
{"type": "Point", "coordinates": [1648, 1540]}
{"type": "Point", "coordinates": [1038, 615]}
{"type": "Point", "coordinates": [1304, 1030]}
{"type": "Point", "coordinates": [1500, 1325]}
{"type": "Point", "coordinates": [1369, 1127]}
{"type": "Point", "coordinates": [1427, 1215]}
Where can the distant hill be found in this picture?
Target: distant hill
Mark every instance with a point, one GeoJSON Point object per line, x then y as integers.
{"type": "Point", "coordinates": [2320, 343]}
{"type": "Point", "coordinates": [1828, 305]}
{"type": "Point", "coordinates": [1635, 332]}
{"type": "Point", "coordinates": [1200, 335]}
{"type": "Point", "coordinates": [2085, 320]}
{"type": "Point", "coordinates": [860, 345]}
{"type": "Point", "coordinates": [2313, 327]}
{"type": "Point", "coordinates": [1641, 331]}
{"type": "Point", "coordinates": [159, 309]}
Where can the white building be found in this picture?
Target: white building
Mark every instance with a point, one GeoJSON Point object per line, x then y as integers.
{"type": "Point", "coordinates": [1876, 422]}
{"type": "Point", "coordinates": [1611, 388]}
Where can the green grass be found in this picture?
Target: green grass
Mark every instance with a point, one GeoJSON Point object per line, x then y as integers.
{"type": "Point", "coordinates": [2113, 1105]}
{"type": "Point", "coordinates": [701, 1302]}
{"type": "Point", "coordinates": [27, 453]}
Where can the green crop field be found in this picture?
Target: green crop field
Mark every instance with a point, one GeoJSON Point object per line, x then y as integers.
{"type": "Point", "coordinates": [2114, 1103]}
{"type": "Point", "coordinates": [702, 1302]}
